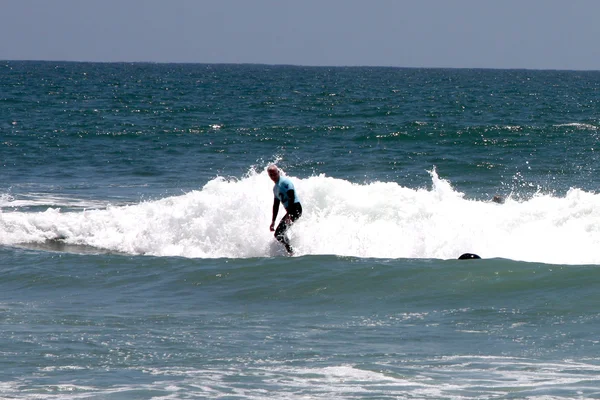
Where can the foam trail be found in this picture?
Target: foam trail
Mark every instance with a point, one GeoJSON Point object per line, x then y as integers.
{"type": "Point", "coordinates": [230, 218]}
{"type": "Point", "coordinates": [8, 201]}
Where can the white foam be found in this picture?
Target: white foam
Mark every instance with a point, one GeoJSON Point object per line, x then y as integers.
{"type": "Point", "coordinates": [44, 200]}
{"type": "Point", "coordinates": [454, 377]}
{"type": "Point", "coordinates": [447, 377]}
{"type": "Point", "coordinates": [579, 125]}
{"type": "Point", "coordinates": [230, 218]}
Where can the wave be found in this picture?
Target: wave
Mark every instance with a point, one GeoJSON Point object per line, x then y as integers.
{"type": "Point", "coordinates": [39, 200]}
{"type": "Point", "coordinates": [579, 125]}
{"type": "Point", "coordinates": [230, 218]}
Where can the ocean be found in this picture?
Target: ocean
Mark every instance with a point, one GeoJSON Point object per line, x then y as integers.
{"type": "Point", "coordinates": [136, 259]}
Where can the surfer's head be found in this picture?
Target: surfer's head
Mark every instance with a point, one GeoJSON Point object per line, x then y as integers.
{"type": "Point", "coordinates": [273, 172]}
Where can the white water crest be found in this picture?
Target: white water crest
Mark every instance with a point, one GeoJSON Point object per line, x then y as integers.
{"type": "Point", "coordinates": [231, 217]}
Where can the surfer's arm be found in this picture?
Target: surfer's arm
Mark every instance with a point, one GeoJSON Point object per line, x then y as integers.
{"type": "Point", "coordinates": [276, 202]}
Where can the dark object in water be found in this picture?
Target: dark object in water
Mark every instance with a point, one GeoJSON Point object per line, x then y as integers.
{"type": "Point", "coordinates": [498, 199]}
{"type": "Point", "coordinates": [469, 256]}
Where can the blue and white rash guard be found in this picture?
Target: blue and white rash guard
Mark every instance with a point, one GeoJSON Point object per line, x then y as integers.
{"type": "Point", "coordinates": [280, 191]}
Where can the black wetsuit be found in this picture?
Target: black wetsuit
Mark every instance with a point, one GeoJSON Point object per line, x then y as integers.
{"type": "Point", "coordinates": [294, 212]}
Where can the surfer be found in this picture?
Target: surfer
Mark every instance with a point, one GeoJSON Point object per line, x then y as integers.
{"type": "Point", "coordinates": [285, 193]}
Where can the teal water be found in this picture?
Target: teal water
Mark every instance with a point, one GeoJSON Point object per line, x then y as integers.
{"type": "Point", "coordinates": [136, 259]}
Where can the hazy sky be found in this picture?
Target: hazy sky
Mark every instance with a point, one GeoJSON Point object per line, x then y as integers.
{"type": "Point", "coordinates": [539, 34]}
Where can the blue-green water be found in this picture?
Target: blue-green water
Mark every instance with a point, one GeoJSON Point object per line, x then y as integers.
{"type": "Point", "coordinates": [137, 262]}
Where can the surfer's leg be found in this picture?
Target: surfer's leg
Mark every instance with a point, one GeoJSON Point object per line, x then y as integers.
{"type": "Point", "coordinates": [283, 226]}
{"type": "Point", "coordinates": [281, 236]}
{"type": "Point", "coordinates": [296, 212]}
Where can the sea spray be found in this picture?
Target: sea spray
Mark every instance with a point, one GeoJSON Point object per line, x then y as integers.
{"type": "Point", "coordinates": [230, 218]}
